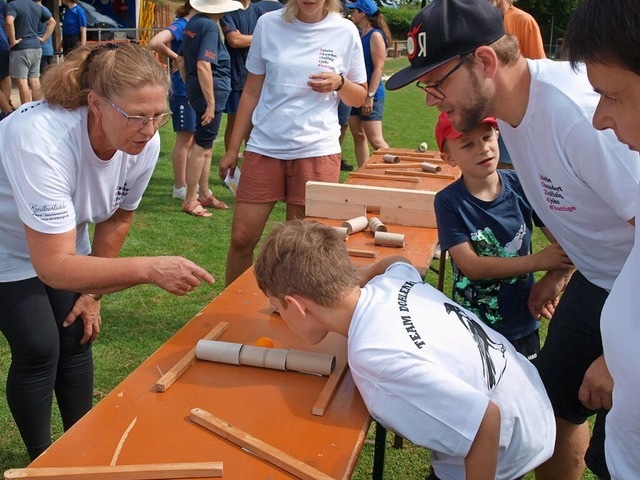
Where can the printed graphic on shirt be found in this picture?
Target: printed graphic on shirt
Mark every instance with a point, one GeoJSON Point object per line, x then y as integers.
{"type": "Point", "coordinates": [405, 316]}
{"type": "Point", "coordinates": [327, 59]}
{"type": "Point", "coordinates": [553, 195]}
{"type": "Point", "coordinates": [49, 212]}
{"type": "Point", "coordinates": [120, 193]}
{"type": "Point", "coordinates": [492, 354]}
{"type": "Point", "coordinates": [481, 296]}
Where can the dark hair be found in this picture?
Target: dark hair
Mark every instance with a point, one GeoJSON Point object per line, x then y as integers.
{"type": "Point", "coordinates": [108, 69]}
{"type": "Point", "coordinates": [183, 10]}
{"type": "Point", "coordinates": [378, 21]}
{"type": "Point", "coordinates": [605, 32]}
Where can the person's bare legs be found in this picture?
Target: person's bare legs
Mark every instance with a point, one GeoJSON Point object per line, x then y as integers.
{"type": "Point", "coordinates": [567, 462]}
{"type": "Point", "coordinates": [36, 90]}
{"type": "Point", "coordinates": [5, 105]}
{"type": "Point", "coordinates": [359, 139]}
{"type": "Point", "coordinates": [23, 90]}
{"type": "Point", "coordinates": [5, 86]}
{"type": "Point", "coordinates": [294, 211]}
{"type": "Point", "coordinates": [195, 163]}
{"type": "Point", "coordinates": [231, 120]}
{"type": "Point", "coordinates": [249, 220]}
{"type": "Point", "coordinates": [181, 149]}
{"type": "Point", "coordinates": [373, 132]}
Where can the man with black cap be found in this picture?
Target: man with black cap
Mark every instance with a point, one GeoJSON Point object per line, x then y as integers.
{"type": "Point", "coordinates": [578, 180]}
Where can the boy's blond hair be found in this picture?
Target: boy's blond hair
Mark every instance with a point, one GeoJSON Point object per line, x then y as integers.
{"type": "Point", "coordinates": [306, 259]}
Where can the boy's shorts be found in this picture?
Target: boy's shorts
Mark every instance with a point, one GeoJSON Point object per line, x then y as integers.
{"type": "Point", "coordinates": [207, 134]}
{"type": "Point", "coordinates": [376, 113]}
{"type": "Point", "coordinates": [266, 179]}
{"type": "Point", "coordinates": [182, 115]}
{"type": "Point", "coordinates": [25, 63]}
{"type": "Point", "coordinates": [4, 64]}
{"type": "Point", "coordinates": [573, 343]}
{"type": "Point", "coordinates": [231, 107]}
{"type": "Point", "coordinates": [529, 345]}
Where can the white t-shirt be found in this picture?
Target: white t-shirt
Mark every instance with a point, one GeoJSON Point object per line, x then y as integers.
{"type": "Point", "coordinates": [620, 324]}
{"type": "Point", "coordinates": [292, 121]}
{"type": "Point", "coordinates": [427, 369]}
{"type": "Point", "coordinates": [580, 181]}
{"type": "Point", "coordinates": [52, 181]}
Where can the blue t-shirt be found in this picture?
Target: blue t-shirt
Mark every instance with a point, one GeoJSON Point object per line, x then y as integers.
{"type": "Point", "coordinates": [178, 88]}
{"type": "Point", "coordinates": [368, 61]}
{"type": "Point", "coordinates": [73, 19]}
{"type": "Point", "coordinates": [4, 41]}
{"type": "Point", "coordinates": [243, 21]}
{"type": "Point", "coordinates": [500, 228]}
{"type": "Point", "coordinates": [28, 15]}
{"type": "Point", "coordinates": [202, 41]}
{"type": "Point", "coordinates": [47, 46]}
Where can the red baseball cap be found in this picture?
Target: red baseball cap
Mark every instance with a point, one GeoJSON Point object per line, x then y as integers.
{"type": "Point", "coordinates": [444, 128]}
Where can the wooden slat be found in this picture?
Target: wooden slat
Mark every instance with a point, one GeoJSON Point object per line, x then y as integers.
{"type": "Point", "coordinates": [423, 174]}
{"type": "Point", "coordinates": [384, 177]}
{"type": "Point", "coordinates": [257, 447]}
{"type": "Point", "coordinates": [375, 166]}
{"type": "Point", "coordinates": [121, 472]}
{"type": "Point", "coordinates": [333, 209]}
{"type": "Point", "coordinates": [189, 359]}
{"type": "Point", "coordinates": [330, 387]}
{"type": "Point", "coordinates": [354, 252]}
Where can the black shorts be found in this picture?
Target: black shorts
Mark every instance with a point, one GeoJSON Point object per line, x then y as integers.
{"type": "Point", "coordinates": [529, 345]}
{"type": "Point", "coordinates": [573, 343]}
{"type": "Point", "coordinates": [4, 64]}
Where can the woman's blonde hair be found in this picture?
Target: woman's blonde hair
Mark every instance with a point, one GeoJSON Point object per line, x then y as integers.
{"type": "Point", "coordinates": [108, 69]}
{"type": "Point", "coordinates": [291, 9]}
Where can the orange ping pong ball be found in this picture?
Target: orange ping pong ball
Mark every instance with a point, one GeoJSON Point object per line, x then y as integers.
{"type": "Point", "coordinates": [264, 342]}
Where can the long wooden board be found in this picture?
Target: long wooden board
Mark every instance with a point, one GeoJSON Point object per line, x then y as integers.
{"type": "Point", "coordinates": [330, 387]}
{"type": "Point", "coordinates": [257, 447]}
{"type": "Point", "coordinates": [121, 472]}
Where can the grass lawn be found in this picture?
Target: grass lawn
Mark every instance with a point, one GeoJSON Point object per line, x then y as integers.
{"type": "Point", "coordinates": [139, 320]}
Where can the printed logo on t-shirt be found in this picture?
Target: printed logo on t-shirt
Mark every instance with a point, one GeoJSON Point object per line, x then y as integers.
{"type": "Point", "coordinates": [50, 212]}
{"type": "Point", "coordinates": [210, 55]}
{"type": "Point", "coordinates": [554, 196]}
{"type": "Point", "coordinates": [120, 193]}
{"type": "Point", "coordinates": [327, 59]}
{"type": "Point", "coordinates": [405, 316]}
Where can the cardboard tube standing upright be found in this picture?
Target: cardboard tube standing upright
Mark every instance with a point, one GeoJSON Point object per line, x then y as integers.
{"type": "Point", "coordinates": [355, 225]}
{"type": "Point", "coordinates": [386, 239]}
{"type": "Point", "coordinates": [375, 225]}
{"type": "Point", "coordinates": [423, 147]}
{"type": "Point", "coordinates": [388, 158]}
{"type": "Point", "coordinates": [430, 167]}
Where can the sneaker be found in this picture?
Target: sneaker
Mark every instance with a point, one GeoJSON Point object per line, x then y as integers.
{"type": "Point", "coordinates": [180, 193]}
{"type": "Point", "coordinates": [345, 167]}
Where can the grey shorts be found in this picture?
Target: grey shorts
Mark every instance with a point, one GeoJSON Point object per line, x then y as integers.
{"type": "Point", "coordinates": [25, 63]}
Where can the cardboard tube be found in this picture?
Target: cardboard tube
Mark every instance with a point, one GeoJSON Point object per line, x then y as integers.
{"type": "Point", "coordinates": [275, 358]}
{"type": "Point", "coordinates": [343, 233]}
{"type": "Point", "coordinates": [386, 239]}
{"type": "Point", "coordinates": [375, 225]}
{"type": "Point", "coordinates": [430, 167]}
{"type": "Point", "coordinates": [423, 147]}
{"type": "Point", "coordinates": [214, 351]}
{"type": "Point", "coordinates": [388, 158]}
{"type": "Point", "coordinates": [311, 362]}
{"type": "Point", "coordinates": [355, 225]}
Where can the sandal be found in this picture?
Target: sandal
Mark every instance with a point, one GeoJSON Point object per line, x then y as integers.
{"type": "Point", "coordinates": [195, 209]}
{"type": "Point", "coordinates": [212, 201]}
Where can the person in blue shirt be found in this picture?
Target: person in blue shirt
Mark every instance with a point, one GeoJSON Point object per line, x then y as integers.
{"type": "Point", "coordinates": [485, 222]}
{"type": "Point", "coordinates": [47, 45]}
{"type": "Point", "coordinates": [205, 67]}
{"type": "Point", "coordinates": [74, 26]}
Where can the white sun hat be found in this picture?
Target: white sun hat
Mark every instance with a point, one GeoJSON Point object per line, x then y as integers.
{"type": "Point", "coordinates": [216, 6]}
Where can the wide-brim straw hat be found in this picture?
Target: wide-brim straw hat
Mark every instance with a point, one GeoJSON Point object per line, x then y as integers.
{"type": "Point", "coordinates": [216, 6]}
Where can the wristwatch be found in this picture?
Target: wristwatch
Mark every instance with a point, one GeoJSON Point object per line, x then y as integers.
{"type": "Point", "coordinates": [371, 94]}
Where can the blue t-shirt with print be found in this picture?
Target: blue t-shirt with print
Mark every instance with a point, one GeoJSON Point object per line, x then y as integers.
{"type": "Point", "coordinates": [202, 41]}
{"type": "Point", "coordinates": [73, 19]}
{"type": "Point", "coordinates": [178, 88]}
{"type": "Point", "coordinates": [500, 228]}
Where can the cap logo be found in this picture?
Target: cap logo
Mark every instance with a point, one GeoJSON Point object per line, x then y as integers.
{"type": "Point", "coordinates": [416, 43]}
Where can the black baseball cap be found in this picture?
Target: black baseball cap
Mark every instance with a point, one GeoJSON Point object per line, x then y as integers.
{"type": "Point", "coordinates": [444, 30]}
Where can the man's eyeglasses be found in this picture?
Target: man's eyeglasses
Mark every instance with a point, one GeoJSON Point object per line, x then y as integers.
{"type": "Point", "coordinates": [433, 89]}
{"type": "Point", "coordinates": [137, 122]}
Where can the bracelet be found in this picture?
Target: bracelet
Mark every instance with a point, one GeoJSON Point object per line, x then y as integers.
{"type": "Point", "coordinates": [95, 296]}
{"type": "Point", "coordinates": [341, 82]}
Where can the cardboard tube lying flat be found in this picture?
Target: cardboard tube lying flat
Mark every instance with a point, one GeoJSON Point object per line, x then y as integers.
{"type": "Point", "coordinates": [387, 239]}
{"type": "Point", "coordinates": [310, 362]}
{"type": "Point", "coordinates": [375, 225]}
{"type": "Point", "coordinates": [355, 225]}
{"type": "Point", "coordinates": [391, 158]}
{"type": "Point", "coordinates": [343, 233]}
{"type": "Point", "coordinates": [263, 357]}
{"type": "Point", "coordinates": [430, 167]}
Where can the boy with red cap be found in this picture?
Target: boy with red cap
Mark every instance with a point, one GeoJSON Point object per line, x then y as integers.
{"type": "Point", "coordinates": [485, 222]}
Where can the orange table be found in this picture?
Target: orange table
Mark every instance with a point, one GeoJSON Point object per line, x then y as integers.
{"type": "Point", "coordinates": [272, 405]}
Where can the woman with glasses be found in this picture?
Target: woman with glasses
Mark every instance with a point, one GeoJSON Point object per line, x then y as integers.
{"type": "Point", "coordinates": [82, 156]}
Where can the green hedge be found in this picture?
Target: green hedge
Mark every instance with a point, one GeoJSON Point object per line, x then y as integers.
{"type": "Point", "coordinates": [399, 20]}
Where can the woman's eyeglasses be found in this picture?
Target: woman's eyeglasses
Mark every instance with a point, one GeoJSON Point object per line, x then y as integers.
{"type": "Point", "coordinates": [138, 122]}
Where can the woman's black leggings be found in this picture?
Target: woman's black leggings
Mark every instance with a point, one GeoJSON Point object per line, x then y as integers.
{"type": "Point", "coordinates": [45, 357]}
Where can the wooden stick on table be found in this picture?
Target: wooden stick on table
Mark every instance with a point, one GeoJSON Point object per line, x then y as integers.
{"type": "Point", "coordinates": [445, 176]}
{"type": "Point", "coordinates": [189, 359]}
{"type": "Point", "coordinates": [392, 165]}
{"type": "Point", "coordinates": [383, 177]}
{"type": "Point", "coordinates": [330, 388]}
{"type": "Point", "coordinates": [257, 447]}
{"type": "Point", "coordinates": [354, 252]}
{"type": "Point", "coordinates": [121, 472]}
